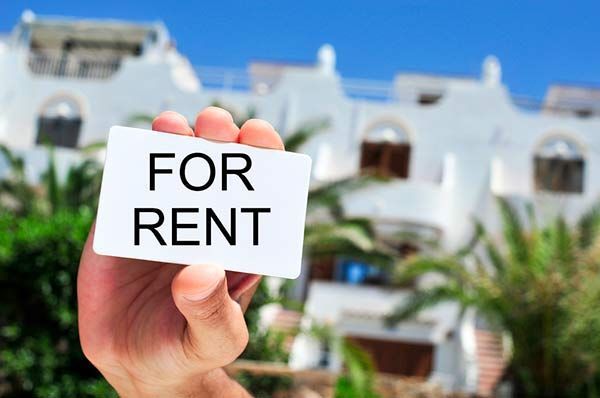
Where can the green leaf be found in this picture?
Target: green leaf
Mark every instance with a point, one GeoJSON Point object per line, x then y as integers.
{"type": "Point", "coordinates": [514, 234]}
{"type": "Point", "coordinates": [302, 135]}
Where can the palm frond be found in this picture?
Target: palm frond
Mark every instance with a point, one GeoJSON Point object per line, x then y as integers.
{"type": "Point", "coordinates": [93, 147]}
{"type": "Point", "coordinates": [329, 195]}
{"type": "Point", "coordinates": [494, 256]}
{"type": "Point", "coordinates": [563, 244]}
{"type": "Point", "coordinates": [422, 265]}
{"type": "Point", "coordinates": [239, 120]}
{"type": "Point", "coordinates": [51, 182]}
{"type": "Point", "coordinates": [514, 234]}
{"type": "Point", "coordinates": [302, 135]}
{"type": "Point", "coordinates": [359, 372]}
{"type": "Point", "coordinates": [325, 236]}
{"type": "Point", "coordinates": [589, 226]}
{"type": "Point", "coordinates": [139, 118]}
{"type": "Point", "coordinates": [478, 233]}
{"type": "Point", "coordinates": [351, 238]}
{"type": "Point", "coordinates": [15, 162]}
{"type": "Point", "coordinates": [423, 299]}
{"type": "Point", "coordinates": [417, 239]}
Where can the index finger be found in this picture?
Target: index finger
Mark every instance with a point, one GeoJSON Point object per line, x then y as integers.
{"type": "Point", "coordinates": [260, 133]}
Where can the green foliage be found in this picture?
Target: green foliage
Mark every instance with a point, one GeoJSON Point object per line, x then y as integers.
{"type": "Point", "coordinates": [264, 386]}
{"type": "Point", "coordinates": [541, 286]}
{"type": "Point", "coordinates": [40, 355]}
{"type": "Point", "coordinates": [264, 345]}
{"type": "Point", "coordinates": [358, 377]}
{"type": "Point", "coordinates": [80, 187]}
{"type": "Point", "coordinates": [295, 141]}
{"type": "Point", "coordinates": [14, 189]}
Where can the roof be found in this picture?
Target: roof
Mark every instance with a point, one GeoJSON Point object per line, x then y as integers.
{"type": "Point", "coordinates": [570, 97]}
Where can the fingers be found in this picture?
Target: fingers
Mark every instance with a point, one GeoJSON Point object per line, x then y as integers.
{"type": "Point", "coordinates": [216, 333]}
{"type": "Point", "coordinates": [246, 296]}
{"type": "Point", "coordinates": [172, 122]}
{"type": "Point", "coordinates": [257, 132]}
{"type": "Point", "coordinates": [216, 124]}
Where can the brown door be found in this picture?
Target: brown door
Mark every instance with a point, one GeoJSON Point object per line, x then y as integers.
{"type": "Point", "coordinates": [322, 269]}
{"type": "Point", "coordinates": [406, 359]}
{"type": "Point", "coordinates": [385, 159]}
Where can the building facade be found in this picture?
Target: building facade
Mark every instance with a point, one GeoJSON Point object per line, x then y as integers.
{"type": "Point", "coordinates": [449, 143]}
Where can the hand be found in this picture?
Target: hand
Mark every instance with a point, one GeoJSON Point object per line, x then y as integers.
{"type": "Point", "coordinates": [163, 330]}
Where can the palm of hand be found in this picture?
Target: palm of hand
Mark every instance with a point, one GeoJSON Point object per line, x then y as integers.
{"type": "Point", "coordinates": [128, 312]}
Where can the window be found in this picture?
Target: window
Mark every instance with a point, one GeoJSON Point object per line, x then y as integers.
{"type": "Point", "coordinates": [59, 123]}
{"type": "Point", "coordinates": [429, 99]}
{"type": "Point", "coordinates": [559, 167]}
{"type": "Point", "coordinates": [386, 151]}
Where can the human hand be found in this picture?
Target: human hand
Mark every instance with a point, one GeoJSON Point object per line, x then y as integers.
{"type": "Point", "coordinates": [163, 330]}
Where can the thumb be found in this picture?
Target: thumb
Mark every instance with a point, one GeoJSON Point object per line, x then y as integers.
{"type": "Point", "coordinates": [216, 332]}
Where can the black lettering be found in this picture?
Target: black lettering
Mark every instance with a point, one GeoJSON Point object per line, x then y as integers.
{"type": "Point", "coordinates": [255, 211]}
{"type": "Point", "coordinates": [211, 166]}
{"type": "Point", "coordinates": [238, 172]}
{"type": "Point", "coordinates": [151, 227]}
{"type": "Point", "coordinates": [230, 236]}
{"type": "Point", "coordinates": [176, 225]}
{"type": "Point", "coordinates": [154, 170]}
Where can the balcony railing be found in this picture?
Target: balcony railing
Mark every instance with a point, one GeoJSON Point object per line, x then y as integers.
{"type": "Point", "coordinates": [70, 66]}
{"type": "Point", "coordinates": [229, 79]}
{"type": "Point", "coordinates": [226, 79]}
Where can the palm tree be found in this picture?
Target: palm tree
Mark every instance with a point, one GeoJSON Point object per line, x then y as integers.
{"type": "Point", "coordinates": [80, 187]}
{"type": "Point", "coordinates": [536, 286]}
{"type": "Point", "coordinates": [16, 194]}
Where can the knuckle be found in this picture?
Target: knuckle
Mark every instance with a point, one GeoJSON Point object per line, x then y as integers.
{"type": "Point", "coordinates": [210, 311]}
{"type": "Point", "coordinates": [237, 344]}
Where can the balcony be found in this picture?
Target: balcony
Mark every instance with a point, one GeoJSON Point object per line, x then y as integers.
{"type": "Point", "coordinates": [361, 310]}
{"type": "Point", "coordinates": [70, 66]}
{"type": "Point", "coordinates": [402, 202]}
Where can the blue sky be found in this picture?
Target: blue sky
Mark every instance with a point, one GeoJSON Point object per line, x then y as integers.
{"type": "Point", "coordinates": [537, 42]}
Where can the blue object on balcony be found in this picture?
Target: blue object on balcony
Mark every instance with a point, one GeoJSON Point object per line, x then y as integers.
{"type": "Point", "coordinates": [354, 272]}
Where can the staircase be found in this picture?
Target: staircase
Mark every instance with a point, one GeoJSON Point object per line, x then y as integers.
{"type": "Point", "coordinates": [490, 360]}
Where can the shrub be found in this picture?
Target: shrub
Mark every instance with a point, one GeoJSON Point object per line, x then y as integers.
{"type": "Point", "coordinates": [40, 355]}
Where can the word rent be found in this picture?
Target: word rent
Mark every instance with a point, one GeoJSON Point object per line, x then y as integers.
{"type": "Point", "coordinates": [204, 224]}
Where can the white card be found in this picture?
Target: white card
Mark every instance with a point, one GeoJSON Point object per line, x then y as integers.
{"type": "Point", "coordinates": [188, 200]}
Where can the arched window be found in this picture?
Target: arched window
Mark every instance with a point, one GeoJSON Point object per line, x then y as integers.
{"type": "Point", "coordinates": [386, 151]}
{"type": "Point", "coordinates": [59, 123]}
{"type": "Point", "coordinates": [559, 166]}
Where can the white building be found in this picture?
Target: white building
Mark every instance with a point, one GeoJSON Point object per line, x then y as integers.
{"type": "Point", "coordinates": [451, 144]}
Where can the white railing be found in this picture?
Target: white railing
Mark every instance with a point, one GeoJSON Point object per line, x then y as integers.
{"type": "Point", "coordinates": [230, 79]}
{"type": "Point", "coordinates": [70, 66]}
{"type": "Point", "coordinates": [377, 90]}
{"type": "Point", "coordinates": [227, 79]}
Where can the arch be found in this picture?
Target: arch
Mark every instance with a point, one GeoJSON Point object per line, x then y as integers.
{"type": "Point", "coordinates": [559, 164]}
{"type": "Point", "coordinates": [386, 128]}
{"type": "Point", "coordinates": [386, 149]}
{"type": "Point", "coordinates": [59, 121]}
